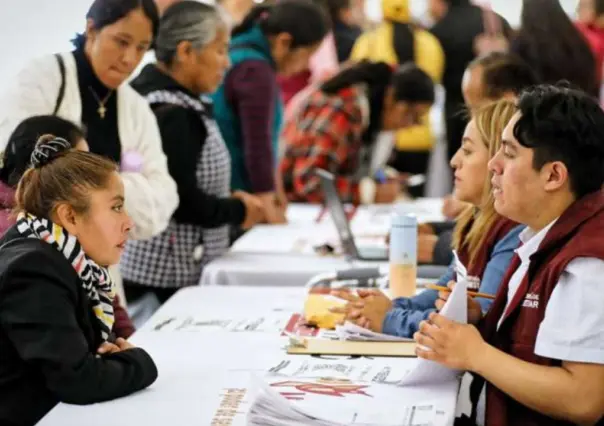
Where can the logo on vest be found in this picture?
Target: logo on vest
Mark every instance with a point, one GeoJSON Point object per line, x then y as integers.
{"type": "Point", "coordinates": [531, 300]}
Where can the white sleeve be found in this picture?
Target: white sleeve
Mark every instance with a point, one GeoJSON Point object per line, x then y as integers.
{"type": "Point", "coordinates": [151, 195]}
{"type": "Point", "coordinates": [33, 91]}
{"type": "Point", "coordinates": [573, 327]}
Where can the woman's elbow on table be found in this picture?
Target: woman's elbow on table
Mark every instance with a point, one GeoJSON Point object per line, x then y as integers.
{"type": "Point", "coordinates": [105, 378]}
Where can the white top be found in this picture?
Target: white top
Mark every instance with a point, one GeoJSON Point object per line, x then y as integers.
{"type": "Point", "coordinates": [573, 326]}
{"type": "Point", "coordinates": [151, 195]}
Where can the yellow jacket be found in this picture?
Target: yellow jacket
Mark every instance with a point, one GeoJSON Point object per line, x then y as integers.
{"type": "Point", "coordinates": [377, 46]}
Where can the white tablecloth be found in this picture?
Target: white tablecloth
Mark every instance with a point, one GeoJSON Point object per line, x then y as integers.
{"type": "Point", "coordinates": [254, 269]}
{"type": "Point", "coordinates": [197, 368]}
{"type": "Point", "coordinates": [283, 255]}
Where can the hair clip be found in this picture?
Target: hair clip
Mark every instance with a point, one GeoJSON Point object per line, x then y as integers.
{"type": "Point", "coordinates": [47, 151]}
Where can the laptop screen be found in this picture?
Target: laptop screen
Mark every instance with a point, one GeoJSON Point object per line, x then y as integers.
{"type": "Point", "coordinates": [337, 212]}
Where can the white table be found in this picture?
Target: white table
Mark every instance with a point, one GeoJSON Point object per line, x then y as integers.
{"type": "Point", "coordinates": [310, 226]}
{"type": "Point", "coordinates": [283, 255]}
{"type": "Point", "coordinates": [197, 368]}
{"type": "Point", "coordinates": [254, 269]}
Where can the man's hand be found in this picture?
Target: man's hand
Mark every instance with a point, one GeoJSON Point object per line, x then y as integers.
{"type": "Point", "coordinates": [474, 308]}
{"type": "Point", "coordinates": [449, 343]}
{"type": "Point", "coordinates": [425, 247]}
{"type": "Point", "coordinates": [388, 192]}
{"type": "Point", "coordinates": [452, 207]}
{"type": "Point", "coordinates": [425, 228]}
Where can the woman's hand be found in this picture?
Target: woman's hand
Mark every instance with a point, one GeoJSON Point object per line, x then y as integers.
{"type": "Point", "coordinates": [474, 308]}
{"type": "Point", "coordinates": [254, 209]}
{"type": "Point", "coordinates": [367, 310]}
{"type": "Point", "coordinates": [108, 348]}
{"type": "Point", "coordinates": [275, 212]}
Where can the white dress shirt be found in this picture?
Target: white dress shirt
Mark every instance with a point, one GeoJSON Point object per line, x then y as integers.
{"type": "Point", "coordinates": [573, 326]}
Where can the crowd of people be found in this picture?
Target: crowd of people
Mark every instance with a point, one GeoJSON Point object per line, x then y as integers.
{"type": "Point", "coordinates": [120, 181]}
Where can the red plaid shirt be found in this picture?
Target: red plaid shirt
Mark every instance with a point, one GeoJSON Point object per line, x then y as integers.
{"type": "Point", "coordinates": [326, 133]}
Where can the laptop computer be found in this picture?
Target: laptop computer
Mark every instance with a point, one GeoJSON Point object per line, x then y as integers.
{"type": "Point", "coordinates": [340, 219]}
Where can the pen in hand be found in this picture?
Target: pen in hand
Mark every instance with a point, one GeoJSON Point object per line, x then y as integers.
{"type": "Point", "coordinates": [470, 293]}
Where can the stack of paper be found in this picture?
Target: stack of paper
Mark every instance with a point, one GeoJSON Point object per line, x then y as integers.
{"type": "Point", "coordinates": [351, 331]}
{"type": "Point", "coordinates": [330, 402]}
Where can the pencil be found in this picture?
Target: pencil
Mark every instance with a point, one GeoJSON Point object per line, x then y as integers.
{"type": "Point", "coordinates": [470, 293]}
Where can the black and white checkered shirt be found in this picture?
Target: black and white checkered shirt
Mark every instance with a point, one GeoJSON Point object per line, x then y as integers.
{"type": "Point", "coordinates": [175, 257]}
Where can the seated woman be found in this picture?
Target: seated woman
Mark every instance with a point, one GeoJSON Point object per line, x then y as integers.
{"type": "Point", "coordinates": [485, 241]}
{"type": "Point", "coordinates": [488, 78]}
{"type": "Point", "coordinates": [340, 119]}
{"type": "Point", "coordinates": [16, 160]}
{"type": "Point", "coordinates": [56, 294]}
{"type": "Point", "coordinates": [192, 57]}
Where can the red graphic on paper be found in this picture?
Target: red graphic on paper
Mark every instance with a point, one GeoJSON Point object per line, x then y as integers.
{"type": "Point", "coordinates": [298, 327]}
{"type": "Point", "coordinates": [327, 387]}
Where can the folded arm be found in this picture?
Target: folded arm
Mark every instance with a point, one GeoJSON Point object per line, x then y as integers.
{"type": "Point", "coordinates": [38, 313]}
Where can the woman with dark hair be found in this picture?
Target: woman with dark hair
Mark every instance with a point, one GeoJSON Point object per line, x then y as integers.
{"type": "Point", "coordinates": [332, 126]}
{"type": "Point", "coordinates": [554, 48]}
{"type": "Point", "coordinates": [87, 86]}
{"type": "Point", "coordinates": [56, 294]}
{"type": "Point", "coordinates": [345, 30]}
{"type": "Point", "coordinates": [590, 14]}
{"type": "Point", "coordinates": [16, 159]}
{"type": "Point", "coordinates": [272, 39]}
{"type": "Point", "coordinates": [192, 57]}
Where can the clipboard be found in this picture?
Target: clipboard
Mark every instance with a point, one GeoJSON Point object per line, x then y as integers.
{"type": "Point", "coordinates": [347, 348]}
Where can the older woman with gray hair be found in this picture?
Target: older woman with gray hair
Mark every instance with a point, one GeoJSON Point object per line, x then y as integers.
{"type": "Point", "coordinates": [192, 57]}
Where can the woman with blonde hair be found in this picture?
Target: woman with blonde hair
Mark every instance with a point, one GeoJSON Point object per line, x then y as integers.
{"type": "Point", "coordinates": [484, 241]}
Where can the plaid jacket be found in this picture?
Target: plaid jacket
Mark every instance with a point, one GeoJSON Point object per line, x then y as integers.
{"type": "Point", "coordinates": [326, 133]}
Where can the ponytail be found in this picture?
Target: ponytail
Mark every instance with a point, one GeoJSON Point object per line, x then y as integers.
{"type": "Point", "coordinates": [374, 74]}
{"type": "Point", "coordinates": [306, 22]}
{"type": "Point", "coordinates": [410, 84]}
{"type": "Point", "coordinates": [251, 19]}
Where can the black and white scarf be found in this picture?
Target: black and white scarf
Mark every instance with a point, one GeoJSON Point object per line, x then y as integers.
{"type": "Point", "coordinates": [95, 279]}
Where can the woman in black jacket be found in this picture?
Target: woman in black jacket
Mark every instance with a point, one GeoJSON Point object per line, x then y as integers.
{"type": "Point", "coordinates": [56, 314]}
{"type": "Point", "coordinates": [192, 57]}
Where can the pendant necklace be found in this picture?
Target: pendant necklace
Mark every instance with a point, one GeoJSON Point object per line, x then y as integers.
{"type": "Point", "coordinates": [102, 110]}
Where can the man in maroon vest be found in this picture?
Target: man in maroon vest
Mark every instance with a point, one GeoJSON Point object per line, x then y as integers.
{"type": "Point", "coordinates": [537, 357]}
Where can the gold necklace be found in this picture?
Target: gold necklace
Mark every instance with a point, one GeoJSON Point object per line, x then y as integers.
{"type": "Point", "coordinates": [102, 110]}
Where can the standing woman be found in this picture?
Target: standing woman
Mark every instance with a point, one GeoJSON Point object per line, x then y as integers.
{"type": "Point", "coordinates": [192, 57]}
{"type": "Point", "coordinates": [544, 24]}
{"type": "Point", "coordinates": [87, 87]}
{"type": "Point", "coordinates": [340, 119]}
{"type": "Point", "coordinates": [272, 39]}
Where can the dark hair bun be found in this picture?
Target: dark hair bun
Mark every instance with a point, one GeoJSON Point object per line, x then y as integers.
{"type": "Point", "coordinates": [47, 149]}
